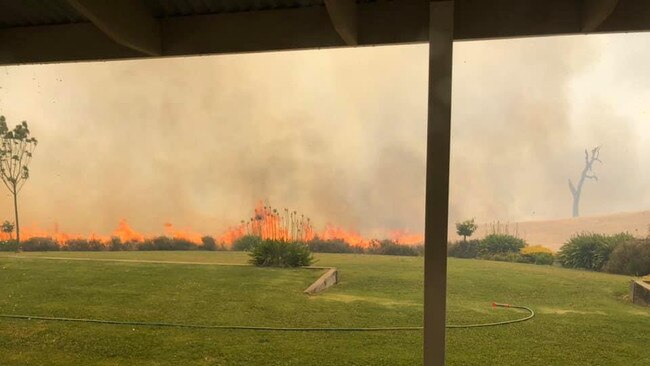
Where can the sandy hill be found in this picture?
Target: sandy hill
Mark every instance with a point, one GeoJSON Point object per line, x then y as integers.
{"type": "Point", "coordinates": [553, 233]}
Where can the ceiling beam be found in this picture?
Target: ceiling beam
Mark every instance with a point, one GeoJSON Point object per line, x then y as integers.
{"type": "Point", "coordinates": [266, 30]}
{"type": "Point", "coordinates": [595, 13]}
{"type": "Point", "coordinates": [59, 43]}
{"type": "Point", "coordinates": [379, 23]}
{"type": "Point", "coordinates": [343, 14]}
{"type": "Point", "coordinates": [127, 22]}
{"type": "Point", "coordinates": [494, 19]}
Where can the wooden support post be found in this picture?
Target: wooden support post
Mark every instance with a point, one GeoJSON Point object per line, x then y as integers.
{"type": "Point", "coordinates": [441, 32]}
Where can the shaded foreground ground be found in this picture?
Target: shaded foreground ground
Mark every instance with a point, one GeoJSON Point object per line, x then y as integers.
{"type": "Point", "coordinates": [583, 318]}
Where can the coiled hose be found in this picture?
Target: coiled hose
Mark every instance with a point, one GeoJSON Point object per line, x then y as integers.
{"type": "Point", "coordinates": [270, 329]}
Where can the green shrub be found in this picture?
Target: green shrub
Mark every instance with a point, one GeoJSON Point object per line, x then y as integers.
{"type": "Point", "coordinates": [500, 244]}
{"type": "Point", "coordinates": [116, 244]}
{"type": "Point", "coordinates": [590, 251]}
{"type": "Point", "coordinates": [503, 257]}
{"type": "Point", "coordinates": [619, 238]}
{"type": "Point", "coordinates": [275, 253]}
{"type": "Point", "coordinates": [208, 243]}
{"type": "Point", "coordinates": [318, 245]}
{"type": "Point", "coordinates": [630, 258]}
{"type": "Point", "coordinates": [389, 247]}
{"type": "Point", "coordinates": [419, 249]}
{"type": "Point", "coordinates": [538, 258]}
{"type": "Point", "coordinates": [40, 245]}
{"type": "Point", "coordinates": [8, 246]}
{"type": "Point", "coordinates": [246, 243]}
{"type": "Point", "coordinates": [464, 249]}
{"type": "Point", "coordinates": [83, 245]}
{"type": "Point", "coordinates": [166, 243]}
{"type": "Point", "coordinates": [535, 249]}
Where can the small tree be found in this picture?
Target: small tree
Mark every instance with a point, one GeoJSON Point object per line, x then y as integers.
{"type": "Point", "coordinates": [8, 228]}
{"type": "Point", "coordinates": [16, 149]}
{"type": "Point", "coordinates": [466, 228]}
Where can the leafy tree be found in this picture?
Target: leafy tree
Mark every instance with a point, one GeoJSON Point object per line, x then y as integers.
{"type": "Point", "coordinates": [466, 228]}
{"type": "Point", "coordinates": [16, 149]}
{"type": "Point", "coordinates": [7, 228]}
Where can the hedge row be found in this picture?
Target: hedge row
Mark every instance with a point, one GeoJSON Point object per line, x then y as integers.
{"type": "Point", "coordinates": [245, 243]}
{"type": "Point", "coordinates": [503, 248]}
{"type": "Point", "coordinates": [620, 253]}
{"type": "Point", "coordinates": [317, 245]}
{"type": "Point", "coordinates": [38, 244]}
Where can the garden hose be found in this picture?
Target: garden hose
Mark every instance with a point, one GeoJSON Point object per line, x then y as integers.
{"type": "Point", "coordinates": [271, 329]}
{"type": "Point", "coordinates": [530, 315]}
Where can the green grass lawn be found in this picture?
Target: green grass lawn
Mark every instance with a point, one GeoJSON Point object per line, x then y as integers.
{"type": "Point", "coordinates": [583, 318]}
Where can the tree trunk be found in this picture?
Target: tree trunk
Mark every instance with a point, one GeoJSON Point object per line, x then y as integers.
{"type": "Point", "coordinates": [575, 193]}
{"type": "Point", "coordinates": [577, 190]}
{"type": "Point", "coordinates": [16, 215]}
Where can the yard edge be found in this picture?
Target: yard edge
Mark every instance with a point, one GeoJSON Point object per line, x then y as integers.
{"type": "Point", "coordinates": [325, 281]}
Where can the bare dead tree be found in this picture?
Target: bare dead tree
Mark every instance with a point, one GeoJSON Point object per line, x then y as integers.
{"type": "Point", "coordinates": [587, 173]}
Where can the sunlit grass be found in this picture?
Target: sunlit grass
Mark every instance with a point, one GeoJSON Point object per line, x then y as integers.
{"type": "Point", "coordinates": [583, 318]}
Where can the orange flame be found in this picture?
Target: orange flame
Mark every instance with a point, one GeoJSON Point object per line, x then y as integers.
{"type": "Point", "coordinates": [28, 232]}
{"type": "Point", "coordinates": [232, 234]}
{"type": "Point", "coordinates": [352, 237]}
{"type": "Point", "coordinates": [266, 222]}
{"type": "Point", "coordinates": [270, 223]}
{"type": "Point", "coordinates": [405, 237]}
{"type": "Point", "coordinates": [184, 234]}
{"type": "Point", "coordinates": [125, 233]}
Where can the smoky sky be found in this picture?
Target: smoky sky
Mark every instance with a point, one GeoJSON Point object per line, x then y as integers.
{"type": "Point", "coordinates": [525, 111]}
{"type": "Point", "coordinates": [338, 135]}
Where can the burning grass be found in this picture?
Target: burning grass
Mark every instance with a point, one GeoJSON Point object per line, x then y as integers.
{"type": "Point", "coordinates": [266, 223]}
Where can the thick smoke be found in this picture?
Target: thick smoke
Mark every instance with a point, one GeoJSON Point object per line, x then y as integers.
{"type": "Point", "coordinates": [199, 141]}
{"type": "Point", "coordinates": [524, 111]}
{"type": "Point", "coordinates": [336, 134]}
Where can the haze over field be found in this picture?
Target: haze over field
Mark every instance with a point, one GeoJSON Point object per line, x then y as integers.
{"type": "Point", "coordinates": [337, 134]}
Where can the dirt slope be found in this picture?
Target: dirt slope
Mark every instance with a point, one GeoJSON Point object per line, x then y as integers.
{"type": "Point", "coordinates": [553, 233]}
